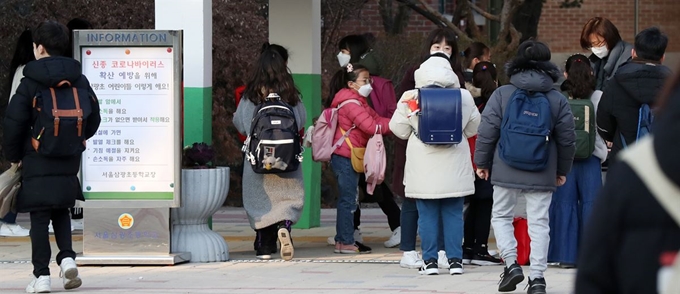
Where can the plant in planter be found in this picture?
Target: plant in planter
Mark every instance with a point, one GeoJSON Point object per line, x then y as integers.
{"type": "Point", "coordinates": [198, 156]}
{"type": "Point", "coordinates": [204, 190]}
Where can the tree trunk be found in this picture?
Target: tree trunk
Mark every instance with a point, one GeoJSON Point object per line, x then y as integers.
{"type": "Point", "coordinates": [527, 17]}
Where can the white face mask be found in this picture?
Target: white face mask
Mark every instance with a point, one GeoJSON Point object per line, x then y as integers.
{"type": "Point", "coordinates": [343, 59]}
{"type": "Point", "coordinates": [365, 90]}
{"type": "Point", "coordinates": [600, 52]}
{"type": "Point", "coordinates": [434, 52]}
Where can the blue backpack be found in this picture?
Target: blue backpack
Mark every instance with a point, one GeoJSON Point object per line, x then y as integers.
{"type": "Point", "coordinates": [525, 131]}
{"type": "Point", "coordinates": [644, 126]}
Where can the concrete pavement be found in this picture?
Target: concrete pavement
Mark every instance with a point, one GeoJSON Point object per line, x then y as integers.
{"type": "Point", "coordinates": [315, 268]}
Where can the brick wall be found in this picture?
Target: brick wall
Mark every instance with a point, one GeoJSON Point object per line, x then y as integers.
{"type": "Point", "coordinates": [560, 28]}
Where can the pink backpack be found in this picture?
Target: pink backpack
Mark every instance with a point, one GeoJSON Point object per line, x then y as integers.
{"type": "Point", "coordinates": [324, 132]}
{"type": "Point", "coordinates": [375, 160]}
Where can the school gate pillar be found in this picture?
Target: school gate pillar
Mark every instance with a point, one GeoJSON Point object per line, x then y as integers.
{"type": "Point", "coordinates": [296, 25]}
{"type": "Point", "coordinates": [195, 18]}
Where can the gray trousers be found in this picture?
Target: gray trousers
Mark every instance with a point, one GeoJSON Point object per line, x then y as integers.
{"type": "Point", "coordinates": [537, 207]}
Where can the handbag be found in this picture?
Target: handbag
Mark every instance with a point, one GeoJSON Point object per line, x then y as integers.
{"type": "Point", "coordinates": [356, 155]}
{"type": "Point", "coordinates": [10, 183]}
{"type": "Point", "coordinates": [376, 161]}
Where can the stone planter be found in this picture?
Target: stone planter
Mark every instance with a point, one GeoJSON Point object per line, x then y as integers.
{"type": "Point", "coordinates": [203, 193]}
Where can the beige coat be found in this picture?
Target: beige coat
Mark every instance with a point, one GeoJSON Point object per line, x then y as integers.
{"type": "Point", "coordinates": [436, 171]}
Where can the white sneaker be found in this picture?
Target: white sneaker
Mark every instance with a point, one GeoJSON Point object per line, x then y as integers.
{"type": "Point", "coordinates": [50, 228]}
{"type": "Point", "coordinates": [395, 239]}
{"type": "Point", "coordinates": [442, 261]}
{"type": "Point", "coordinates": [40, 285]}
{"type": "Point", "coordinates": [69, 273]}
{"type": "Point", "coordinates": [411, 259]}
{"type": "Point", "coordinates": [77, 224]}
{"type": "Point", "coordinates": [12, 230]}
{"type": "Point", "coordinates": [357, 238]}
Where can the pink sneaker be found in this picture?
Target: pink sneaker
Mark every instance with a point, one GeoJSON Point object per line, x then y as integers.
{"type": "Point", "coordinates": [346, 249]}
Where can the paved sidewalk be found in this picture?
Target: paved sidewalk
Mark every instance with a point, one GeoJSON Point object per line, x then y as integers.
{"type": "Point", "coordinates": [315, 268]}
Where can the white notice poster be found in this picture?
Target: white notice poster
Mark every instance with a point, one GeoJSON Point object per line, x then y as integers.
{"type": "Point", "coordinates": [132, 155]}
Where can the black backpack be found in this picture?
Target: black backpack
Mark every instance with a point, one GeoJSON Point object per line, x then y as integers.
{"type": "Point", "coordinates": [59, 128]}
{"type": "Point", "coordinates": [274, 144]}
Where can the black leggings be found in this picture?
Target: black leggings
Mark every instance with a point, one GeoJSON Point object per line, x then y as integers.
{"type": "Point", "coordinates": [478, 218]}
{"type": "Point", "coordinates": [386, 203]}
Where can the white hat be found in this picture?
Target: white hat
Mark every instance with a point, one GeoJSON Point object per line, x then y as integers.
{"type": "Point", "coordinates": [436, 71]}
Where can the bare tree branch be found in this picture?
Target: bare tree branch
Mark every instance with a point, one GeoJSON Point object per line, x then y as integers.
{"type": "Point", "coordinates": [435, 17]}
{"type": "Point", "coordinates": [483, 12]}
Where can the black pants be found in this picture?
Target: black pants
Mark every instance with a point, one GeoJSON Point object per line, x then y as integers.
{"type": "Point", "coordinates": [386, 203]}
{"type": "Point", "coordinates": [267, 236]}
{"type": "Point", "coordinates": [41, 252]}
{"type": "Point", "coordinates": [478, 218]}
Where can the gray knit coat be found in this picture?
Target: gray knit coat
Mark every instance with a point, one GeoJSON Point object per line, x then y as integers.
{"type": "Point", "coordinates": [270, 198]}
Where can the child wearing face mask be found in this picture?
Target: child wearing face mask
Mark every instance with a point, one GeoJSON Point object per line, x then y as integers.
{"type": "Point", "coordinates": [356, 49]}
{"type": "Point", "coordinates": [357, 122]}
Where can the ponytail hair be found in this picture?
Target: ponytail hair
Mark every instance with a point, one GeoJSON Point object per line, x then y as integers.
{"type": "Point", "coordinates": [484, 76]}
{"type": "Point", "coordinates": [580, 82]}
{"type": "Point", "coordinates": [349, 73]}
{"type": "Point", "coordinates": [475, 50]}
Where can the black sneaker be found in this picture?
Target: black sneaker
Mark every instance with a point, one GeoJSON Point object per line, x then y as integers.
{"type": "Point", "coordinates": [468, 253]}
{"type": "Point", "coordinates": [510, 277]}
{"type": "Point", "coordinates": [363, 249]}
{"type": "Point", "coordinates": [485, 259]}
{"type": "Point", "coordinates": [429, 267]}
{"type": "Point", "coordinates": [455, 266]}
{"type": "Point", "coordinates": [536, 286]}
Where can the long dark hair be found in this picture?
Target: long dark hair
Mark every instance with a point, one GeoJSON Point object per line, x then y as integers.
{"type": "Point", "coordinates": [356, 44]}
{"type": "Point", "coordinates": [484, 76]}
{"type": "Point", "coordinates": [340, 80]}
{"type": "Point", "coordinates": [23, 54]}
{"type": "Point", "coordinates": [580, 82]}
{"type": "Point", "coordinates": [271, 75]}
{"type": "Point", "coordinates": [76, 24]}
{"type": "Point", "coordinates": [475, 50]}
{"type": "Point", "coordinates": [448, 35]}
{"type": "Point", "coordinates": [276, 47]}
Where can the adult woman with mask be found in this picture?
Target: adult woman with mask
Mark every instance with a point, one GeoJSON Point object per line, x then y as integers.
{"type": "Point", "coordinates": [600, 36]}
{"type": "Point", "coordinates": [356, 49]}
{"type": "Point", "coordinates": [357, 122]}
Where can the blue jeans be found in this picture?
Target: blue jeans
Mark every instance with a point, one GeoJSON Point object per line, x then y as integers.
{"type": "Point", "coordinates": [570, 209]}
{"type": "Point", "coordinates": [436, 215]}
{"type": "Point", "coordinates": [409, 226]}
{"type": "Point", "coordinates": [10, 218]}
{"type": "Point", "coordinates": [348, 179]}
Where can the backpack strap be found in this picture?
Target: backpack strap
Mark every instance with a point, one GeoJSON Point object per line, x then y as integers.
{"type": "Point", "coordinates": [345, 135]}
{"type": "Point", "coordinates": [58, 113]}
{"type": "Point", "coordinates": [642, 159]}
